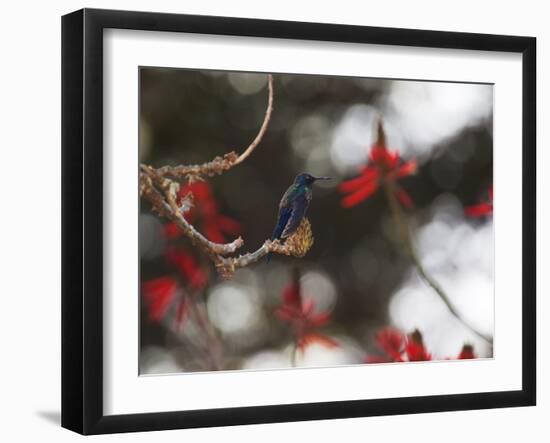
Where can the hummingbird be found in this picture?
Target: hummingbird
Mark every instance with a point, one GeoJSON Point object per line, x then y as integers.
{"type": "Point", "coordinates": [293, 206]}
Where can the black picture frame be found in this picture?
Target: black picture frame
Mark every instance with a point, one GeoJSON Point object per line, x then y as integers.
{"type": "Point", "coordinates": [82, 219]}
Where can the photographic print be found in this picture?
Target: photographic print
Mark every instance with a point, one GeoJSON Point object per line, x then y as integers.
{"type": "Point", "coordinates": [291, 221]}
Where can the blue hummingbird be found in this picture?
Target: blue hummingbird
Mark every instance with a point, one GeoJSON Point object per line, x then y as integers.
{"type": "Point", "coordinates": [293, 206]}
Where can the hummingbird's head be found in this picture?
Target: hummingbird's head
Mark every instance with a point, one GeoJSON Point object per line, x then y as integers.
{"type": "Point", "coordinates": [307, 179]}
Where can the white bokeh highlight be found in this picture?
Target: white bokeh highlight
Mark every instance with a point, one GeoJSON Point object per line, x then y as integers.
{"type": "Point", "coordinates": [352, 138]}
{"type": "Point", "coordinates": [427, 113]}
{"type": "Point", "coordinates": [346, 353]}
{"type": "Point", "coordinates": [318, 286]}
{"type": "Point", "coordinates": [417, 117]}
{"type": "Point", "coordinates": [247, 83]}
{"type": "Point", "coordinates": [267, 360]}
{"type": "Point", "coordinates": [459, 255]}
{"type": "Point", "coordinates": [234, 309]}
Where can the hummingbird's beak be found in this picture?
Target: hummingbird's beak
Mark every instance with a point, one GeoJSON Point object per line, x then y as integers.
{"type": "Point", "coordinates": [322, 178]}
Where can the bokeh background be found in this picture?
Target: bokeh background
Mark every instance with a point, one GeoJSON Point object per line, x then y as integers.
{"type": "Point", "coordinates": [324, 126]}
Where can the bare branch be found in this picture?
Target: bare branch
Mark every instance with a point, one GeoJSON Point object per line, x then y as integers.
{"type": "Point", "coordinates": [167, 205]}
{"type": "Point", "coordinates": [148, 191]}
{"type": "Point", "coordinates": [158, 186]}
{"type": "Point", "coordinates": [215, 167]}
{"type": "Point", "coordinates": [264, 126]}
{"type": "Point", "coordinates": [221, 164]}
{"type": "Point", "coordinates": [296, 245]}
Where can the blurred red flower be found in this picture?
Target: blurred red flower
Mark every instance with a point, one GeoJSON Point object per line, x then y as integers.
{"type": "Point", "coordinates": [466, 353]}
{"type": "Point", "coordinates": [391, 342]}
{"type": "Point", "coordinates": [398, 347]}
{"type": "Point", "coordinates": [185, 263]}
{"type": "Point", "coordinates": [481, 209]}
{"type": "Point", "coordinates": [415, 348]}
{"type": "Point", "coordinates": [205, 211]}
{"type": "Point", "coordinates": [383, 166]}
{"type": "Point", "coordinates": [160, 295]}
{"type": "Point", "coordinates": [299, 312]}
{"type": "Point", "coordinates": [166, 294]}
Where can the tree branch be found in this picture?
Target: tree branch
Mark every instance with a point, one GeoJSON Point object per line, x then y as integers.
{"type": "Point", "coordinates": [296, 245]}
{"type": "Point", "coordinates": [167, 206]}
{"type": "Point", "coordinates": [224, 163]}
{"type": "Point", "coordinates": [161, 186]}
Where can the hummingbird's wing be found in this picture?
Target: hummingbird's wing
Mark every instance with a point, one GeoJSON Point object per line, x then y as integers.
{"type": "Point", "coordinates": [282, 220]}
{"type": "Point", "coordinates": [289, 197]}
{"type": "Point", "coordinates": [298, 211]}
{"type": "Point", "coordinates": [285, 210]}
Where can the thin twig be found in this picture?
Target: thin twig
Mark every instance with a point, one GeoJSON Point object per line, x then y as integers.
{"type": "Point", "coordinates": [404, 234]}
{"type": "Point", "coordinates": [213, 341]}
{"type": "Point", "coordinates": [263, 128]}
{"type": "Point", "coordinates": [222, 164]}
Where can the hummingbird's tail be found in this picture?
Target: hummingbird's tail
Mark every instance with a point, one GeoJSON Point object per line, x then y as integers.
{"type": "Point", "coordinates": [270, 254]}
{"type": "Point", "coordinates": [284, 215]}
{"type": "Point", "coordinates": [276, 235]}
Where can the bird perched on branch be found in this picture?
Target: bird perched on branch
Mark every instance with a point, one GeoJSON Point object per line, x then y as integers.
{"type": "Point", "coordinates": [293, 206]}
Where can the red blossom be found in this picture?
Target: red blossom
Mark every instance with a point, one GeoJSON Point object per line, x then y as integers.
{"type": "Point", "coordinates": [416, 352]}
{"type": "Point", "coordinates": [415, 348]}
{"type": "Point", "coordinates": [166, 294]}
{"type": "Point", "coordinates": [384, 166]}
{"type": "Point", "coordinates": [398, 347]}
{"type": "Point", "coordinates": [186, 264]}
{"type": "Point", "coordinates": [205, 212]}
{"type": "Point", "coordinates": [466, 353]}
{"type": "Point", "coordinates": [299, 311]}
{"type": "Point", "coordinates": [163, 295]}
{"type": "Point", "coordinates": [391, 341]}
{"type": "Point", "coordinates": [482, 209]}
{"type": "Point", "coordinates": [159, 295]}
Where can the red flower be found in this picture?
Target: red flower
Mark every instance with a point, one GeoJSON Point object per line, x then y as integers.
{"type": "Point", "coordinates": [391, 342]}
{"type": "Point", "coordinates": [466, 353]}
{"type": "Point", "coordinates": [165, 295]}
{"type": "Point", "coordinates": [162, 294]}
{"type": "Point", "coordinates": [397, 347]}
{"type": "Point", "coordinates": [481, 209]}
{"type": "Point", "coordinates": [205, 211]}
{"type": "Point", "coordinates": [384, 166]}
{"type": "Point", "coordinates": [158, 295]}
{"type": "Point", "coordinates": [415, 349]}
{"type": "Point", "coordinates": [186, 264]}
{"type": "Point", "coordinates": [299, 312]}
